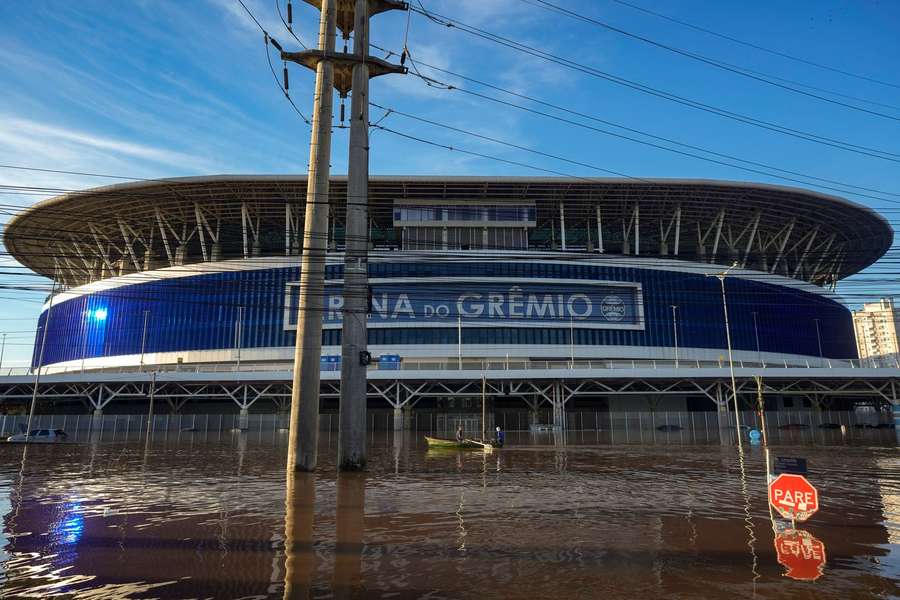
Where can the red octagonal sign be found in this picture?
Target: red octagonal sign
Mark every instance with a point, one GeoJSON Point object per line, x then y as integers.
{"type": "Point", "coordinates": [793, 497]}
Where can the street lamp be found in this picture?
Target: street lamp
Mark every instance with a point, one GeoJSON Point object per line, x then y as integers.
{"type": "Point", "coordinates": [144, 338]}
{"type": "Point", "coordinates": [819, 337]}
{"type": "Point", "coordinates": [2, 350]}
{"type": "Point", "coordinates": [675, 330]}
{"type": "Point", "coordinates": [737, 415]}
{"type": "Point", "coordinates": [756, 334]}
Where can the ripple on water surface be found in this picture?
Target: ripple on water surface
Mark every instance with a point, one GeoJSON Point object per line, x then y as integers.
{"type": "Point", "coordinates": [221, 520]}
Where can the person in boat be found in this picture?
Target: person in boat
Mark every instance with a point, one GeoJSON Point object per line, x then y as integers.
{"type": "Point", "coordinates": [460, 436]}
{"type": "Point", "coordinates": [500, 437]}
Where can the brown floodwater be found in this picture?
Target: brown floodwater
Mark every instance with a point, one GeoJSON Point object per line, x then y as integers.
{"type": "Point", "coordinates": [217, 517]}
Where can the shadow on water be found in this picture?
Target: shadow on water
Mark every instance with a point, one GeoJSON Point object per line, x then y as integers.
{"type": "Point", "coordinates": [548, 515]}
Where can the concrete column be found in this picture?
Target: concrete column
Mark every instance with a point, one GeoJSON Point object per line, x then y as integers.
{"type": "Point", "coordinates": [897, 420]}
{"type": "Point", "coordinates": [244, 419]}
{"type": "Point", "coordinates": [96, 422]}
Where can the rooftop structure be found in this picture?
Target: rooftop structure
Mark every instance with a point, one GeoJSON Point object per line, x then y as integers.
{"type": "Point", "coordinates": [104, 232]}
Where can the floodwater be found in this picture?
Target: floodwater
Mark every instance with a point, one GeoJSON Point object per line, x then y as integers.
{"type": "Point", "coordinates": [217, 518]}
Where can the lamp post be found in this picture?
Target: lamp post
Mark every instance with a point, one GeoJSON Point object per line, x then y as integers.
{"type": "Point", "coordinates": [2, 350]}
{"type": "Point", "coordinates": [238, 330]}
{"type": "Point", "coordinates": [737, 415]}
{"type": "Point", "coordinates": [571, 343]}
{"type": "Point", "coordinates": [459, 340]}
{"type": "Point", "coordinates": [756, 333]}
{"type": "Point", "coordinates": [144, 337]}
{"type": "Point", "coordinates": [819, 337]}
{"type": "Point", "coordinates": [675, 330]}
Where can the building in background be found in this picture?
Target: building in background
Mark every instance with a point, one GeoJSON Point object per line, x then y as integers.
{"type": "Point", "coordinates": [876, 333]}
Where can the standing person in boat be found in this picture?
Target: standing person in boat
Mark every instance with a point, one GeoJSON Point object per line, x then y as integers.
{"type": "Point", "coordinates": [460, 436]}
{"type": "Point", "coordinates": [500, 437]}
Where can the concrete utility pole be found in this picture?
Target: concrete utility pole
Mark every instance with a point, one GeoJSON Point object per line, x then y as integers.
{"type": "Point", "coordinates": [304, 431]}
{"type": "Point", "coordinates": [354, 356]}
{"type": "Point", "coordinates": [341, 71]}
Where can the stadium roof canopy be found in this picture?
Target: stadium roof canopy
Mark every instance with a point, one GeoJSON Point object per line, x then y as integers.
{"type": "Point", "coordinates": [87, 235]}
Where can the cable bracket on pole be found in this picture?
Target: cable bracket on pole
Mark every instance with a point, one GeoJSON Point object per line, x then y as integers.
{"type": "Point", "coordinates": [346, 11]}
{"type": "Point", "coordinates": [343, 66]}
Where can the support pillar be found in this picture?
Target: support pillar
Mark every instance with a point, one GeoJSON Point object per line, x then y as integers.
{"type": "Point", "coordinates": [559, 407]}
{"type": "Point", "coordinates": [724, 419]}
{"type": "Point", "coordinates": [895, 406]}
{"type": "Point", "coordinates": [244, 419]}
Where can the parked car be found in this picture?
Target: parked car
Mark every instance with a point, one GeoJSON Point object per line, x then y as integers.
{"type": "Point", "coordinates": [40, 436]}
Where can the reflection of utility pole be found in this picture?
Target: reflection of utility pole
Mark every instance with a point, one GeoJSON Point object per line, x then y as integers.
{"type": "Point", "coordinates": [350, 519]}
{"type": "Point", "coordinates": [299, 517]}
{"type": "Point", "coordinates": [342, 71]}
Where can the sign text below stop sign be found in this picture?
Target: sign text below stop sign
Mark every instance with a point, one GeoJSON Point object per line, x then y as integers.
{"type": "Point", "coordinates": [793, 497]}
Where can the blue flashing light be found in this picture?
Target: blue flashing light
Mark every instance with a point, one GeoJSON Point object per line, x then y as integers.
{"type": "Point", "coordinates": [100, 314]}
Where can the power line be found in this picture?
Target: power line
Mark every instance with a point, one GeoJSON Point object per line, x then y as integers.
{"type": "Point", "coordinates": [697, 105]}
{"type": "Point", "coordinates": [742, 71]}
{"type": "Point", "coordinates": [449, 87]}
{"type": "Point", "coordinates": [772, 51]}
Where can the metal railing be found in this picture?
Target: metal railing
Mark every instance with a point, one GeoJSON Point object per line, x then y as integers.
{"type": "Point", "coordinates": [613, 427]}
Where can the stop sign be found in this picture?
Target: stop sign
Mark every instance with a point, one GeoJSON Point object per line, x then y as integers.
{"type": "Point", "coordinates": [793, 497]}
{"type": "Point", "coordinates": [802, 553]}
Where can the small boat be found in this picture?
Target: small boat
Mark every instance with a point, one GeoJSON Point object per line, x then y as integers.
{"type": "Point", "coordinates": [441, 443]}
{"type": "Point", "coordinates": [39, 436]}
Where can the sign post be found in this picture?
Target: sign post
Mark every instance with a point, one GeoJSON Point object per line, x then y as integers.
{"type": "Point", "coordinates": [793, 497]}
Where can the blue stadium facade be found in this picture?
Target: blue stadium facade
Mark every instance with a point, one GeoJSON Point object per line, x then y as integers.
{"type": "Point", "coordinates": [537, 308]}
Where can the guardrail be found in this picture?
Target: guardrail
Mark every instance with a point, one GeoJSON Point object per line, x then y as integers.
{"type": "Point", "coordinates": [468, 364]}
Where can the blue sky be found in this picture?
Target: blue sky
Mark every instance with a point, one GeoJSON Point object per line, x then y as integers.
{"type": "Point", "coordinates": [154, 88]}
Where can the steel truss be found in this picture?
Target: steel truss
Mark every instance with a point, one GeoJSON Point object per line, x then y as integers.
{"type": "Point", "coordinates": [403, 394]}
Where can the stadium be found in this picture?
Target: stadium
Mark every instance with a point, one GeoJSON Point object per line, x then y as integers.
{"type": "Point", "coordinates": [554, 294]}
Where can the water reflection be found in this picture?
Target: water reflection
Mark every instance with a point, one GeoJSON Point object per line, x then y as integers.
{"type": "Point", "coordinates": [181, 520]}
{"type": "Point", "coordinates": [299, 517]}
{"type": "Point", "coordinates": [802, 553]}
{"type": "Point", "coordinates": [350, 518]}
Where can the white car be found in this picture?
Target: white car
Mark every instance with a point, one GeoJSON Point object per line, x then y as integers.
{"type": "Point", "coordinates": [40, 436]}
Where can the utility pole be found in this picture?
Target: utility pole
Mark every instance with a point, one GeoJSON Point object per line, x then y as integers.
{"type": "Point", "coordinates": [341, 71]}
{"type": "Point", "coordinates": [304, 431]}
{"type": "Point", "coordinates": [354, 333]}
